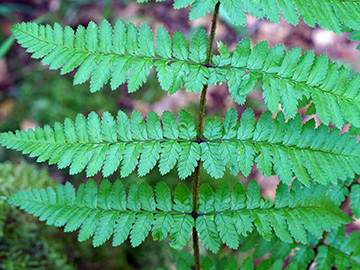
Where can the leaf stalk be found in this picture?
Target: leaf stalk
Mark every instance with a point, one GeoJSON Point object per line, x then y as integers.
{"type": "Point", "coordinates": [196, 179]}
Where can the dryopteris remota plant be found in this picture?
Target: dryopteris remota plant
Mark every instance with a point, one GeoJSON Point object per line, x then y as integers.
{"type": "Point", "coordinates": [317, 166]}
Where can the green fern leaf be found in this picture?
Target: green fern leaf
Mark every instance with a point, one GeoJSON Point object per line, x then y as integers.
{"type": "Point", "coordinates": [198, 77]}
{"type": "Point", "coordinates": [206, 228]}
{"type": "Point", "coordinates": [205, 225]}
{"type": "Point", "coordinates": [234, 10]}
{"type": "Point", "coordinates": [213, 162]}
{"type": "Point", "coordinates": [162, 195]}
{"type": "Point", "coordinates": [227, 231]}
{"type": "Point", "coordinates": [188, 160]}
{"type": "Point", "coordinates": [280, 226]}
{"type": "Point", "coordinates": [247, 264]}
{"type": "Point", "coordinates": [285, 79]}
{"type": "Point", "coordinates": [141, 228]}
{"type": "Point", "coordinates": [105, 212]}
{"type": "Point", "coordinates": [263, 247]}
{"type": "Point", "coordinates": [324, 259]}
{"type": "Point", "coordinates": [285, 149]}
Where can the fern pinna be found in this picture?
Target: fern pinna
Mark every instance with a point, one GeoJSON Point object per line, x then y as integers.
{"type": "Point", "coordinates": [285, 149]}
{"type": "Point", "coordinates": [317, 165]}
{"type": "Point", "coordinates": [107, 54]}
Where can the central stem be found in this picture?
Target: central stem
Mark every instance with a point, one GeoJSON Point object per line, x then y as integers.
{"type": "Point", "coordinates": [196, 180]}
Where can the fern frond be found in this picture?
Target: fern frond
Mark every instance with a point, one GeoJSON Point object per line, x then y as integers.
{"type": "Point", "coordinates": [109, 211]}
{"type": "Point", "coordinates": [328, 14]}
{"type": "Point", "coordinates": [95, 144]}
{"type": "Point", "coordinates": [286, 78]}
{"type": "Point", "coordinates": [106, 54]}
{"type": "Point", "coordinates": [341, 252]}
{"type": "Point", "coordinates": [285, 149]}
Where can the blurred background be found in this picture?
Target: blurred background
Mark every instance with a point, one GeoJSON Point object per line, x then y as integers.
{"type": "Point", "coordinates": [31, 95]}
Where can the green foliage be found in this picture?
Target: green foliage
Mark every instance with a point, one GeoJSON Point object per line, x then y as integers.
{"type": "Point", "coordinates": [109, 211]}
{"type": "Point", "coordinates": [334, 250]}
{"type": "Point", "coordinates": [285, 149]}
{"type": "Point", "coordinates": [293, 255]}
{"type": "Point", "coordinates": [342, 252]}
{"type": "Point", "coordinates": [104, 143]}
{"type": "Point", "coordinates": [316, 164]}
{"type": "Point", "coordinates": [286, 77]}
{"type": "Point", "coordinates": [106, 54]}
{"type": "Point", "coordinates": [292, 214]}
{"type": "Point", "coordinates": [328, 14]}
{"type": "Point", "coordinates": [184, 261]}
